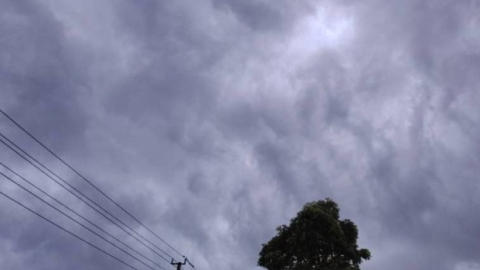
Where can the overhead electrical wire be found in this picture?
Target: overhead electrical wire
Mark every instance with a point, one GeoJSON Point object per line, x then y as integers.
{"type": "Point", "coordinates": [83, 200]}
{"type": "Point", "coordinates": [89, 182]}
{"type": "Point", "coordinates": [76, 221]}
{"type": "Point", "coordinates": [70, 209]}
{"type": "Point", "coordinates": [69, 232]}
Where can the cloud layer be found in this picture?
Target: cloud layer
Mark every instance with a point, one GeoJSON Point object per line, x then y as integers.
{"type": "Point", "coordinates": [215, 121]}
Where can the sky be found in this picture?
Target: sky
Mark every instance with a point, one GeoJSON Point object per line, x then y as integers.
{"type": "Point", "coordinates": [215, 121]}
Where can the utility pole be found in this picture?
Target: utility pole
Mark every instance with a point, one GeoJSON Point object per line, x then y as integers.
{"type": "Point", "coordinates": [179, 264]}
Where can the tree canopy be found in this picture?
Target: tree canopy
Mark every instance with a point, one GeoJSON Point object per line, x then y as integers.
{"type": "Point", "coordinates": [315, 239]}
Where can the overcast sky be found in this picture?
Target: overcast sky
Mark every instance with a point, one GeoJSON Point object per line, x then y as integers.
{"type": "Point", "coordinates": [215, 121]}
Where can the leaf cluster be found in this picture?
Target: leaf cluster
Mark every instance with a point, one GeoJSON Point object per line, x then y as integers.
{"type": "Point", "coordinates": [315, 239]}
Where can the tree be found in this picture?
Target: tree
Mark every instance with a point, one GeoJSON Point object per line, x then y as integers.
{"type": "Point", "coordinates": [315, 239]}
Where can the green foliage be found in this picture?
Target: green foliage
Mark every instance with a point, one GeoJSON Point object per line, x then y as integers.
{"type": "Point", "coordinates": [315, 239]}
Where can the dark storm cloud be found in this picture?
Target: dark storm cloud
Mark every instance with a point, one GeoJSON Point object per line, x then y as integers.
{"type": "Point", "coordinates": [265, 16]}
{"type": "Point", "coordinates": [276, 161]}
{"type": "Point", "coordinates": [37, 72]}
{"type": "Point", "coordinates": [432, 37]}
{"type": "Point", "coordinates": [214, 122]}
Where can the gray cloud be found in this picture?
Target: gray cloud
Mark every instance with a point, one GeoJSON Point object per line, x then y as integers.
{"type": "Point", "coordinates": [39, 75]}
{"type": "Point", "coordinates": [263, 16]}
{"type": "Point", "coordinates": [215, 121]}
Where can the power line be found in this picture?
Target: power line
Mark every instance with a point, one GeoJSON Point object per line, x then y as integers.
{"type": "Point", "coordinates": [72, 219]}
{"type": "Point", "coordinates": [69, 232]}
{"type": "Point", "coordinates": [87, 203]}
{"type": "Point", "coordinates": [80, 198]}
{"type": "Point", "coordinates": [88, 181]}
{"type": "Point", "coordinates": [71, 210]}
